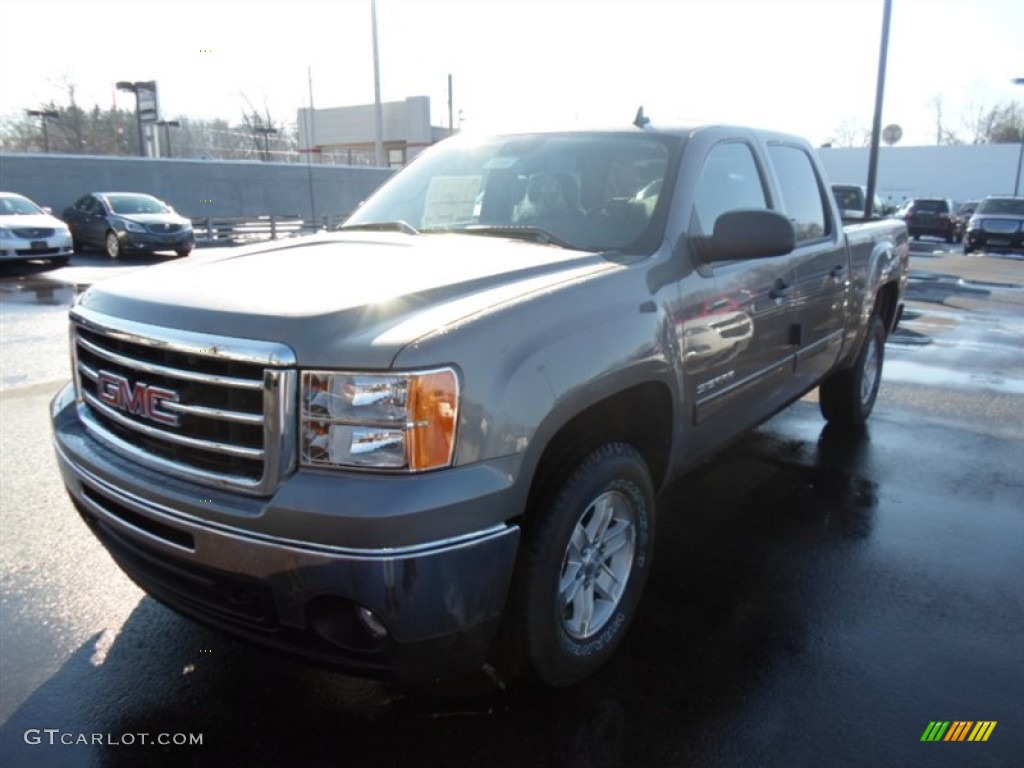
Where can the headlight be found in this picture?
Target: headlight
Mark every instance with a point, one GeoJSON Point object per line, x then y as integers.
{"type": "Point", "coordinates": [399, 421]}
{"type": "Point", "coordinates": [6, 234]}
{"type": "Point", "coordinates": [131, 226]}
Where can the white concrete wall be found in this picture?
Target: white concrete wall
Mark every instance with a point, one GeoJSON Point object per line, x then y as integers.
{"type": "Point", "coordinates": [967, 172]}
{"type": "Point", "coordinates": [195, 188]}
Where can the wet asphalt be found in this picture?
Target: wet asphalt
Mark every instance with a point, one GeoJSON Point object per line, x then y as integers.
{"type": "Point", "coordinates": [817, 598]}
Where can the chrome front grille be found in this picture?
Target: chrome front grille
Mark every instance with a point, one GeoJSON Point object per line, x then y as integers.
{"type": "Point", "coordinates": [160, 229]}
{"type": "Point", "coordinates": [1001, 226]}
{"type": "Point", "coordinates": [29, 233]}
{"type": "Point", "coordinates": [217, 410]}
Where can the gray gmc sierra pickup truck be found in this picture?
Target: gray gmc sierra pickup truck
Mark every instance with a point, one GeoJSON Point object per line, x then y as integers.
{"type": "Point", "coordinates": [435, 437]}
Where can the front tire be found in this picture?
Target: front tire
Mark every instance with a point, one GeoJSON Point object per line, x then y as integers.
{"type": "Point", "coordinates": [112, 245]}
{"type": "Point", "coordinates": [847, 397]}
{"type": "Point", "coordinates": [583, 566]}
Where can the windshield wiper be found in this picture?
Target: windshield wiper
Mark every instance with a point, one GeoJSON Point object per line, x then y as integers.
{"type": "Point", "coordinates": [515, 232]}
{"type": "Point", "coordinates": [381, 226]}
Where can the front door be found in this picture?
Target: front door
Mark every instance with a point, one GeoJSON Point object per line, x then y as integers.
{"type": "Point", "coordinates": [737, 346]}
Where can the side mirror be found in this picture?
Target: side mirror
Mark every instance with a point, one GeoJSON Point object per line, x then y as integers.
{"type": "Point", "coordinates": [48, 209]}
{"type": "Point", "coordinates": [749, 233]}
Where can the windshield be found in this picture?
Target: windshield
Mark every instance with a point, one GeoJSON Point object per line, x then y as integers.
{"type": "Point", "coordinates": [18, 206]}
{"type": "Point", "coordinates": [930, 206]}
{"type": "Point", "coordinates": [136, 204]}
{"type": "Point", "coordinates": [585, 191]}
{"type": "Point", "coordinates": [1011, 205]}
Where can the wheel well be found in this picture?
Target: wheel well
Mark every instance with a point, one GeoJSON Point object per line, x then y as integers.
{"type": "Point", "coordinates": [886, 305]}
{"type": "Point", "coordinates": [640, 416]}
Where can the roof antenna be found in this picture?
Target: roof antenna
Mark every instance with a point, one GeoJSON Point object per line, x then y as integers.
{"type": "Point", "coordinates": [641, 119]}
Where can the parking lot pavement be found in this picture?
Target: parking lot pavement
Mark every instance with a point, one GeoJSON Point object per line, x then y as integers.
{"type": "Point", "coordinates": [815, 600]}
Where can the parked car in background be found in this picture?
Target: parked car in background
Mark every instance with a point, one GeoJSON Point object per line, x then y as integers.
{"type": "Point", "coordinates": [997, 224]}
{"type": "Point", "coordinates": [965, 210]}
{"type": "Point", "coordinates": [128, 222]}
{"type": "Point", "coordinates": [931, 216]}
{"type": "Point", "coordinates": [850, 201]}
{"type": "Point", "coordinates": [28, 231]}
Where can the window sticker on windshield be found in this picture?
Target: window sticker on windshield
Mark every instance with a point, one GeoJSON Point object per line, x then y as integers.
{"type": "Point", "coordinates": [500, 163]}
{"type": "Point", "coordinates": [451, 200]}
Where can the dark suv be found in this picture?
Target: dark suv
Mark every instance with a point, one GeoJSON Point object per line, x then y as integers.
{"type": "Point", "coordinates": [932, 216]}
{"type": "Point", "coordinates": [997, 224]}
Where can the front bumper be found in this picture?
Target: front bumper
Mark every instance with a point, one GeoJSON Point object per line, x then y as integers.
{"type": "Point", "coordinates": [220, 558]}
{"type": "Point", "coordinates": [23, 249]}
{"type": "Point", "coordinates": [977, 239]}
{"type": "Point", "coordinates": [147, 241]}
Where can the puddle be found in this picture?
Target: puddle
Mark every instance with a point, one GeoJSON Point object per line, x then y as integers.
{"type": "Point", "coordinates": [50, 294]}
{"type": "Point", "coordinates": [909, 372]}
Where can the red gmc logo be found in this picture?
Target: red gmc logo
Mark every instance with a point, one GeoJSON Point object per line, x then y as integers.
{"type": "Point", "coordinates": [139, 400]}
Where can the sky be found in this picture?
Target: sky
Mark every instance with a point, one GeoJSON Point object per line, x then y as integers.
{"type": "Point", "coordinates": [801, 66]}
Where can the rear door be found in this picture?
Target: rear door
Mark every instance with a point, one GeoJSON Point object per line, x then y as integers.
{"type": "Point", "coordinates": [821, 262]}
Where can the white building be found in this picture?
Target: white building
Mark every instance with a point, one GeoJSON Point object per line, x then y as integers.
{"type": "Point", "coordinates": [962, 172]}
{"type": "Point", "coordinates": [347, 133]}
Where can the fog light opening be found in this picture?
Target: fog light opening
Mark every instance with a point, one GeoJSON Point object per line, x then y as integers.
{"type": "Point", "coordinates": [373, 626]}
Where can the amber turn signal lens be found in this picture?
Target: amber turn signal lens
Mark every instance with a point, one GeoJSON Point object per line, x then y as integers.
{"type": "Point", "coordinates": [433, 408]}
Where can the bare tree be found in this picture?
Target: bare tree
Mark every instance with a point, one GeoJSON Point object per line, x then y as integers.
{"type": "Point", "coordinates": [942, 134]}
{"type": "Point", "coordinates": [999, 124]}
{"type": "Point", "coordinates": [851, 133]}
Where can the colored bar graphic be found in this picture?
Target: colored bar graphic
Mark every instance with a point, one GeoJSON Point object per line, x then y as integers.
{"type": "Point", "coordinates": [935, 730]}
{"type": "Point", "coordinates": [982, 730]}
{"type": "Point", "coordinates": [958, 730]}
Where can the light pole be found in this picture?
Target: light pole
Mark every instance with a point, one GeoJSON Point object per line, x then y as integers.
{"type": "Point", "coordinates": [876, 127]}
{"type": "Point", "coordinates": [125, 85]}
{"type": "Point", "coordinates": [140, 87]}
{"type": "Point", "coordinates": [44, 115]}
{"type": "Point", "coordinates": [1020, 155]}
{"type": "Point", "coordinates": [378, 117]}
{"type": "Point", "coordinates": [168, 124]}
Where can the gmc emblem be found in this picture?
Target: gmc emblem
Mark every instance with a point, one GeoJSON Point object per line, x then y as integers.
{"type": "Point", "coordinates": [140, 400]}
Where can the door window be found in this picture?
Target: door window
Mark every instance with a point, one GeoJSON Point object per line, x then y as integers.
{"type": "Point", "coordinates": [729, 180]}
{"type": "Point", "coordinates": [802, 193]}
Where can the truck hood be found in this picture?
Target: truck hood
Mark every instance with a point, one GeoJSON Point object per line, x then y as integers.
{"type": "Point", "coordinates": [340, 300]}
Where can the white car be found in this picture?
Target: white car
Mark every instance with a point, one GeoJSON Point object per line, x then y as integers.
{"type": "Point", "coordinates": [29, 232]}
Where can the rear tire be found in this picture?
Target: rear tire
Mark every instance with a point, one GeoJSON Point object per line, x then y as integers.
{"type": "Point", "coordinates": [582, 568]}
{"type": "Point", "coordinates": [846, 398]}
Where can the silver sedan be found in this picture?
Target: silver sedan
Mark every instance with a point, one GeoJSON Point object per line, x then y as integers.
{"type": "Point", "coordinates": [27, 231]}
